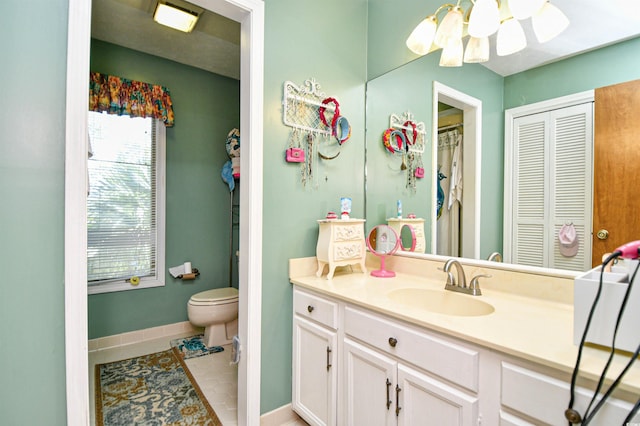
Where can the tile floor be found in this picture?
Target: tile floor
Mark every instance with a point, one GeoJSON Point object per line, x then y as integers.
{"type": "Point", "coordinates": [220, 389]}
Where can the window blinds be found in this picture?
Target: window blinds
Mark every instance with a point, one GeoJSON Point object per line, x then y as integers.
{"type": "Point", "coordinates": [121, 206]}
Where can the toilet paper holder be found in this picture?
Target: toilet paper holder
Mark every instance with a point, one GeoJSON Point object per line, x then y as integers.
{"type": "Point", "coordinates": [184, 272]}
{"type": "Point", "coordinates": [192, 276]}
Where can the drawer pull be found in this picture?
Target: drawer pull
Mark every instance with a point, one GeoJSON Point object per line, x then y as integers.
{"type": "Point", "coordinates": [398, 408]}
{"type": "Point", "coordinates": [388, 399]}
{"type": "Point", "coordinates": [310, 308]}
{"type": "Point", "coordinates": [328, 358]}
{"type": "Point", "coordinates": [393, 342]}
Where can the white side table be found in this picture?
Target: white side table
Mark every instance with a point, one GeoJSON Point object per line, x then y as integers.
{"type": "Point", "coordinates": [340, 243]}
{"type": "Point", "coordinates": [418, 228]}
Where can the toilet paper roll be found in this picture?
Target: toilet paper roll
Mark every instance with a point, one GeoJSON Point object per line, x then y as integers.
{"type": "Point", "coordinates": [191, 276]}
{"type": "Point", "coordinates": [187, 267]}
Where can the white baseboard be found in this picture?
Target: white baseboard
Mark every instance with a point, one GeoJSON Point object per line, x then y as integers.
{"type": "Point", "coordinates": [279, 416]}
{"type": "Point", "coordinates": [142, 335]}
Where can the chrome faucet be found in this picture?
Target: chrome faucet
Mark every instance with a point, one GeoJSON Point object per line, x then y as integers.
{"type": "Point", "coordinates": [461, 281]}
{"type": "Point", "coordinates": [495, 256]}
{"type": "Point", "coordinates": [460, 284]}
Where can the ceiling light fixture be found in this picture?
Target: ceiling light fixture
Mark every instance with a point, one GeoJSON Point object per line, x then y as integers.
{"type": "Point", "coordinates": [482, 19]}
{"type": "Point", "coordinates": [177, 15]}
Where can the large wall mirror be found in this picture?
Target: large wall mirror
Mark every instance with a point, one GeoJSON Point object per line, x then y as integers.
{"type": "Point", "coordinates": [410, 87]}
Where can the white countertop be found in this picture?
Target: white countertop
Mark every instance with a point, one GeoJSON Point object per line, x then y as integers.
{"type": "Point", "coordinates": [535, 327]}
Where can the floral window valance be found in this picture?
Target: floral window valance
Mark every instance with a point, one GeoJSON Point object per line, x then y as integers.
{"type": "Point", "coordinates": [121, 96]}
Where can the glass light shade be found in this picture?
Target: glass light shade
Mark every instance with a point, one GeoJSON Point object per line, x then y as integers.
{"type": "Point", "coordinates": [484, 19]}
{"type": "Point", "coordinates": [511, 38]}
{"type": "Point", "coordinates": [523, 9]}
{"type": "Point", "coordinates": [548, 22]}
{"type": "Point", "coordinates": [452, 54]}
{"type": "Point", "coordinates": [450, 28]}
{"type": "Point", "coordinates": [421, 38]}
{"type": "Point", "coordinates": [178, 19]}
{"type": "Point", "coordinates": [477, 50]}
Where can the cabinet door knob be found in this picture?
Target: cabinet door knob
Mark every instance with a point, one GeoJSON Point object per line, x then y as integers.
{"type": "Point", "coordinates": [310, 308]}
{"type": "Point", "coordinates": [393, 342]}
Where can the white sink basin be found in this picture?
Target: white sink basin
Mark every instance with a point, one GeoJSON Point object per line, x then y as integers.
{"type": "Point", "coordinates": [442, 302]}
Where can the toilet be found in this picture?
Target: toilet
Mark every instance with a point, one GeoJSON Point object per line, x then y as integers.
{"type": "Point", "coordinates": [217, 311]}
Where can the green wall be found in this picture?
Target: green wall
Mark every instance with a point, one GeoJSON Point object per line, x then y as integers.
{"type": "Point", "coordinates": [33, 75]}
{"type": "Point", "coordinates": [325, 40]}
{"type": "Point", "coordinates": [206, 107]}
{"type": "Point", "coordinates": [603, 67]}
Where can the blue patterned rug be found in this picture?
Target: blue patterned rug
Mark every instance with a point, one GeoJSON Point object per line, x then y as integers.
{"type": "Point", "coordinates": [193, 346]}
{"type": "Point", "coordinates": [155, 389]}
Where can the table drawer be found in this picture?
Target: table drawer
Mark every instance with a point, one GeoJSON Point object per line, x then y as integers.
{"type": "Point", "coordinates": [348, 232]}
{"type": "Point", "coordinates": [347, 251]}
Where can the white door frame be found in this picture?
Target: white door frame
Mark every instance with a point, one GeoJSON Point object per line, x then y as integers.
{"type": "Point", "coordinates": [250, 15]}
{"type": "Point", "coordinates": [472, 124]}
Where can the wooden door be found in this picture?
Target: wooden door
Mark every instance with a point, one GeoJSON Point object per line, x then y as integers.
{"type": "Point", "coordinates": [616, 193]}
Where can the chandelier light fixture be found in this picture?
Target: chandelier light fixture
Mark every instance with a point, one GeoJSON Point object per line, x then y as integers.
{"type": "Point", "coordinates": [482, 19]}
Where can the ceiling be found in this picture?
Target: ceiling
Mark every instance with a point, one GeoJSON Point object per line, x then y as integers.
{"type": "Point", "coordinates": [593, 24]}
{"type": "Point", "coordinates": [214, 45]}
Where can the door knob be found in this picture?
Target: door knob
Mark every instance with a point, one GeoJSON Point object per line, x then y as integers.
{"type": "Point", "coordinates": [602, 234]}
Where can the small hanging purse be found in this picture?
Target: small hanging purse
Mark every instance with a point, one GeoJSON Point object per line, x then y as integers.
{"type": "Point", "coordinates": [294, 154]}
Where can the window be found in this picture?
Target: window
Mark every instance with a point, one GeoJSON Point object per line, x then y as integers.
{"type": "Point", "coordinates": [125, 203]}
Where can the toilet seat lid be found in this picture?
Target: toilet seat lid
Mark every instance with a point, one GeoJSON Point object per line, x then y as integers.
{"type": "Point", "coordinates": [217, 294]}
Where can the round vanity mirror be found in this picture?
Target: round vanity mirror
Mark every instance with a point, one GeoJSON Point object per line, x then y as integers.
{"type": "Point", "coordinates": [407, 238]}
{"type": "Point", "coordinates": [383, 241]}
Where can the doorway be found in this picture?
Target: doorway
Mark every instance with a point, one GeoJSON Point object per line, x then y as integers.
{"type": "Point", "coordinates": [449, 173]}
{"type": "Point", "coordinates": [616, 159]}
{"type": "Point", "coordinates": [469, 217]}
{"type": "Point", "coordinates": [250, 15]}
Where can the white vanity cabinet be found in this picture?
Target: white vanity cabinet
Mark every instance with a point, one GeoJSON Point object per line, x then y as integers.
{"type": "Point", "coordinates": [314, 390]}
{"type": "Point", "coordinates": [396, 375]}
{"type": "Point", "coordinates": [355, 366]}
{"type": "Point", "coordinates": [530, 396]}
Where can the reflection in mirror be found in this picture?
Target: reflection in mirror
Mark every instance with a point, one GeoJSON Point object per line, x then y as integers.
{"type": "Point", "coordinates": [407, 238]}
{"type": "Point", "coordinates": [457, 146]}
{"type": "Point", "coordinates": [383, 241]}
{"type": "Point", "coordinates": [410, 87]}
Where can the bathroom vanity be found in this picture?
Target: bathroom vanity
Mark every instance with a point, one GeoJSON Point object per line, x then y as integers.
{"type": "Point", "coordinates": [377, 351]}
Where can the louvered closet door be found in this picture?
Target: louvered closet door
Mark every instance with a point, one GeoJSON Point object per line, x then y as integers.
{"type": "Point", "coordinates": [529, 195]}
{"type": "Point", "coordinates": [552, 186]}
{"type": "Point", "coordinates": [571, 147]}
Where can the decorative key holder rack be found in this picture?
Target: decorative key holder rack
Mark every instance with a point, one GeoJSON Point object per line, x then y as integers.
{"type": "Point", "coordinates": [318, 128]}
{"type": "Point", "coordinates": [407, 138]}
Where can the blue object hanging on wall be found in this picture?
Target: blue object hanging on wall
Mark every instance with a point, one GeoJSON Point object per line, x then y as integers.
{"type": "Point", "coordinates": [231, 169]}
{"type": "Point", "coordinates": [440, 194]}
